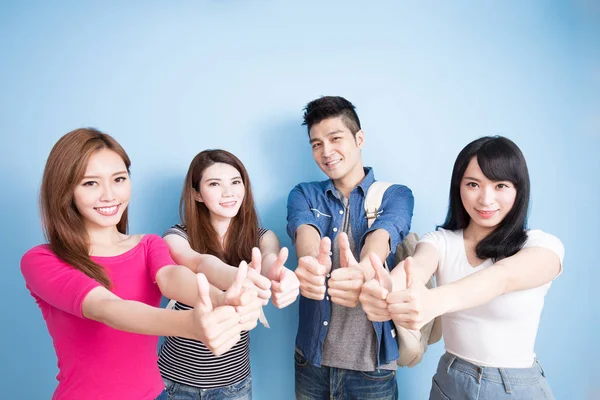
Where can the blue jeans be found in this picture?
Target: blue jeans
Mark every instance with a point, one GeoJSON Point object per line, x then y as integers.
{"type": "Point", "coordinates": [326, 383]}
{"type": "Point", "coordinates": [457, 379]}
{"type": "Point", "coordinates": [237, 391]}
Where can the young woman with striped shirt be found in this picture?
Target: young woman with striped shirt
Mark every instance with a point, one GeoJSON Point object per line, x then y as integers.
{"type": "Point", "coordinates": [220, 229]}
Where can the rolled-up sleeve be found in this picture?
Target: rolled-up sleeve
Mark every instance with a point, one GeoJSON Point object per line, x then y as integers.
{"type": "Point", "coordinates": [396, 214]}
{"type": "Point", "coordinates": [299, 212]}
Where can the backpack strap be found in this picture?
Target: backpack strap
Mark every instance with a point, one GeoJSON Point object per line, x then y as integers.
{"type": "Point", "coordinates": [373, 200]}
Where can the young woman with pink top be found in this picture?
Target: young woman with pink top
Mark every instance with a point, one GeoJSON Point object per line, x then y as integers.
{"type": "Point", "coordinates": [99, 289]}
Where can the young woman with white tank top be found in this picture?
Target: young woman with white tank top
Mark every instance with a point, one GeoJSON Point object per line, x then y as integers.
{"type": "Point", "coordinates": [492, 276]}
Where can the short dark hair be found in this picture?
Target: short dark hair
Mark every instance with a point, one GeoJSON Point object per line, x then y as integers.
{"type": "Point", "coordinates": [331, 107]}
{"type": "Point", "coordinates": [500, 159]}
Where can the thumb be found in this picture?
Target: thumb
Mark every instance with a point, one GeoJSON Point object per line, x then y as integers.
{"type": "Point", "coordinates": [279, 263]}
{"type": "Point", "coordinates": [324, 249]}
{"type": "Point", "coordinates": [346, 256]}
{"type": "Point", "coordinates": [381, 274]}
{"type": "Point", "coordinates": [204, 303]}
{"type": "Point", "coordinates": [238, 282]}
{"type": "Point", "coordinates": [256, 263]}
{"type": "Point", "coordinates": [408, 269]}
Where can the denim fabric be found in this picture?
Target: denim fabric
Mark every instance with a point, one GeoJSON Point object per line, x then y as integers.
{"type": "Point", "coordinates": [457, 379]}
{"type": "Point", "coordinates": [316, 204]}
{"type": "Point", "coordinates": [162, 395]}
{"type": "Point", "coordinates": [238, 391]}
{"type": "Point", "coordinates": [328, 383]}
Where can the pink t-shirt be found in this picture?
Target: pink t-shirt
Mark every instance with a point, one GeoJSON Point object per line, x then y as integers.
{"type": "Point", "coordinates": [94, 360]}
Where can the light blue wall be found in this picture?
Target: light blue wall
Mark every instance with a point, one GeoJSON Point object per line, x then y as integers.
{"type": "Point", "coordinates": [168, 79]}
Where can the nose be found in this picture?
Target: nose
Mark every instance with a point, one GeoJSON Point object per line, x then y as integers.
{"type": "Point", "coordinates": [226, 191]}
{"type": "Point", "coordinates": [327, 149]}
{"type": "Point", "coordinates": [107, 193]}
{"type": "Point", "coordinates": [487, 196]}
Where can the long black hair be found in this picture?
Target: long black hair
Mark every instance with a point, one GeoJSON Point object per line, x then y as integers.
{"type": "Point", "coordinates": [500, 159]}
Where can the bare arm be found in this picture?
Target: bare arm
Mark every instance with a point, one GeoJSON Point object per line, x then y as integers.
{"type": "Point", "coordinates": [307, 241]}
{"type": "Point", "coordinates": [529, 268]}
{"type": "Point", "coordinates": [218, 329]}
{"type": "Point", "coordinates": [377, 242]}
{"type": "Point", "coordinates": [179, 283]}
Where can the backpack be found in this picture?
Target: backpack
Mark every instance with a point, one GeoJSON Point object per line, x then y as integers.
{"type": "Point", "coordinates": [411, 343]}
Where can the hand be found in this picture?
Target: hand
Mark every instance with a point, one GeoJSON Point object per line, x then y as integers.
{"type": "Point", "coordinates": [255, 280]}
{"type": "Point", "coordinates": [218, 329]}
{"type": "Point", "coordinates": [375, 291]}
{"type": "Point", "coordinates": [311, 272]}
{"type": "Point", "coordinates": [246, 301]}
{"type": "Point", "coordinates": [414, 307]}
{"type": "Point", "coordinates": [285, 286]}
{"type": "Point", "coordinates": [346, 282]}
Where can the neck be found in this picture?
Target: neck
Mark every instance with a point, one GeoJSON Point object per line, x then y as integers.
{"type": "Point", "coordinates": [103, 235]}
{"type": "Point", "coordinates": [476, 233]}
{"type": "Point", "coordinates": [348, 182]}
{"type": "Point", "coordinates": [220, 225]}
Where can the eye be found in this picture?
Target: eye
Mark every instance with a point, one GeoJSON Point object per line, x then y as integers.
{"type": "Point", "coordinates": [89, 183]}
{"type": "Point", "coordinates": [316, 145]}
{"type": "Point", "coordinates": [120, 179]}
{"type": "Point", "coordinates": [336, 138]}
{"type": "Point", "coordinates": [237, 182]}
{"type": "Point", "coordinates": [213, 184]}
{"type": "Point", "coordinates": [502, 186]}
{"type": "Point", "coordinates": [472, 184]}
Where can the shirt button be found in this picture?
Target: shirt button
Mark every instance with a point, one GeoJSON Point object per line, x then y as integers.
{"type": "Point", "coordinates": [328, 275]}
{"type": "Point", "coordinates": [325, 323]}
{"type": "Point", "coordinates": [331, 253]}
{"type": "Point", "coordinates": [341, 211]}
{"type": "Point", "coordinates": [326, 297]}
{"type": "Point", "coordinates": [335, 229]}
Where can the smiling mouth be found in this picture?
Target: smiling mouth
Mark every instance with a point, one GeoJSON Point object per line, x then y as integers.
{"type": "Point", "coordinates": [486, 214]}
{"type": "Point", "coordinates": [228, 204]}
{"type": "Point", "coordinates": [332, 163]}
{"type": "Point", "coordinates": [108, 211]}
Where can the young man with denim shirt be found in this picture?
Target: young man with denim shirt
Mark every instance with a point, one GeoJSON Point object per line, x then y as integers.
{"type": "Point", "coordinates": [339, 352]}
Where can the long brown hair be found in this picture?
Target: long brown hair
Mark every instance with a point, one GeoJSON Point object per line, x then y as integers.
{"type": "Point", "coordinates": [63, 225]}
{"type": "Point", "coordinates": [242, 233]}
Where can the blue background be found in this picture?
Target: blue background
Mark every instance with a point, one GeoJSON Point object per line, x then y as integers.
{"type": "Point", "coordinates": [169, 79]}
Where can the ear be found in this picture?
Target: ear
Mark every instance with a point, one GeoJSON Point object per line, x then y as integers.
{"type": "Point", "coordinates": [198, 197]}
{"type": "Point", "coordinates": [360, 139]}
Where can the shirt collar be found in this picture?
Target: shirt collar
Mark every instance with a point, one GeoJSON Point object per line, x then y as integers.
{"type": "Point", "coordinates": [364, 185]}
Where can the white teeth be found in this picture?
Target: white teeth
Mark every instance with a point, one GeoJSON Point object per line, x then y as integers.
{"type": "Point", "coordinates": [107, 210]}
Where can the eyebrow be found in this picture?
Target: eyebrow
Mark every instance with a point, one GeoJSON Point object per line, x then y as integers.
{"type": "Point", "coordinates": [99, 177]}
{"type": "Point", "coordinates": [470, 178]}
{"type": "Point", "coordinates": [328, 134]}
{"type": "Point", "coordinates": [219, 179]}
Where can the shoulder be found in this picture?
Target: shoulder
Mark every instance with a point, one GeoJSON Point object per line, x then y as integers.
{"type": "Point", "coordinates": [177, 229]}
{"type": "Point", "coordinates": [397, 192]}
{"type": "Point", "coordinates": [40, 256]}
{"type": "Point", "coordinates": [311, 187]}
{"type": "Point", "coordinates": [539, 238]}
{"type": "Point", "coordinates": [441, 237]}
{"type": "Point", "coordinates": [41, 252]}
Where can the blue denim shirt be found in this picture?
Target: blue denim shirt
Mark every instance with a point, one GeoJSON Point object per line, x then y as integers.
{"type": "Point", "coordinates": [315, 204]}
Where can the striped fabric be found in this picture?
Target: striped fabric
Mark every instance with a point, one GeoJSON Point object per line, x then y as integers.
{"type": "Point", "coordinates": [191, 363]}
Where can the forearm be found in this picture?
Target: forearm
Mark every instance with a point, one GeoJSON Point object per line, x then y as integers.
{"type": "Point", "coordinates": [307, 241]}
{"type": "Point", "coordinates": [136, 317]}
{"type": "Point", "coordinates": [267, 263]}
{"type": "Point", "coordinates": [377, 242]}
{"type": "Point", "coordinates": [471, 291]}
{"type": "Point", "coordinates": [217, 272]}
{"type": "Point", "coordinates": [179, 283]}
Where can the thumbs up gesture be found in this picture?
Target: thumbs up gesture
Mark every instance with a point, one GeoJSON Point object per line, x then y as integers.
{"type": "Point", "coordinates": [219, 329]}
{"type": "Point", "coordinates": [375, 291]}
{"type": "Point", "coordinates": [246, 301]}
{"type": "Point", "coordinates": [285, 285]}
{"type": "Point", "coordinates": [413, 307]}
{"type": "Point", "coordinates": [311, 272]}
{"type": "Point", "coordinates": [255, 281]}
{"type": "Point", "coordinates": [346, 282]}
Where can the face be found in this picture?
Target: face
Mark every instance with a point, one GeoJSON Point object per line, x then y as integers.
{"type": "Point", "coordinates": [487, 202]}
{"type": "Point", "coordinates": [335, 150]}
{"type": "Point", "coordinates": [221, 190]}
{"type": "Point", "coordinates": [103, 194]}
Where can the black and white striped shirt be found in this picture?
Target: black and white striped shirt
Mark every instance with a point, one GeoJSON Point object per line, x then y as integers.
{"type": "Point", "coordinates": [191, 363]}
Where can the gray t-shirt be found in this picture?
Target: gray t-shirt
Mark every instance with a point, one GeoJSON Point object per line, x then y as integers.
{"type": "Point", "coordinates": [351, 342]}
